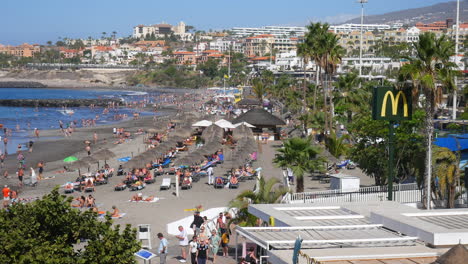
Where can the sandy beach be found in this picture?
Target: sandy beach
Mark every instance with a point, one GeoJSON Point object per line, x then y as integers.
{"type": "Point", "coordinates": [168, 208]}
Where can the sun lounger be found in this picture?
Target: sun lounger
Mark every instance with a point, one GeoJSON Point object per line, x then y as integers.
{"type": "Point", "coordinates": [219, 183]}
{"type": "Point", "coordinates": [186, 185]}
{"type": "Point", "coordinates": [137, 187]}
{"type": "Point", "coordinates": [150, 181]}
{"type": "Point", "coordinates": [89, 189]}
{"type": "Point", "coordinates": [155, 199]}
{"type": "Point", "coordinates": [120, 187]}
{"type": "Point", "coordinates": [166, 184]}
{"type": "Point", "coordinates": [101, 182]}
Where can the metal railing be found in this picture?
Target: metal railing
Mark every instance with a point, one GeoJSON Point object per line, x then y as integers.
{"type": "Point", "coordinates": [403, 193]}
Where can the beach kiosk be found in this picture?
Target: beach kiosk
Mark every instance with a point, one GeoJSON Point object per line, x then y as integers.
{"type": "Point", "coordinates": [344, 183]}
{"type": "Point", "coordinates": [262, 121]}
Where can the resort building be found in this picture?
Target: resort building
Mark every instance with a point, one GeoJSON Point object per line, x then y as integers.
{"type": "Point", "coordinates": [269, 30]}
{"type": "Point", "coordinates": [354, 232]}
{"type": "Point", "coordinates": [23, 50]}
{"type": "Point", "coordinates": [142, 31]}
{"type": "Point", "coordinates": [185, 57]}
{"type": "Point", "coordinates": [357, 27]}
{"type": "Point", "coordinates": [224, 45]}
{"type": "Point", "coordinates": [352, 40]}
{"type": "Point", "coordinates": [259, 45]}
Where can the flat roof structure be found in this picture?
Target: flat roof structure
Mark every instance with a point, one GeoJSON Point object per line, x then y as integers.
{"type": "Point", "coordinates": [443, 227]}
{"type": "Point", "coordinates": [361, 232]}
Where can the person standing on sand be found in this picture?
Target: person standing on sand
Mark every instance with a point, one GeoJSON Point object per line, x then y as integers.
{"type": "Point", "coordinates": [5, 143]}
{"type": "Point", "coordinates": [88, 150]}
{"type": "Point", "coordinates": [20, 174]}
{"type": "Point", "coordinates": [2, 160]}
{"type": "Point", "coordinates": [6, 196]}
{"type": "Point", "coordinates": [36, 132]}
{"type": "Point", "coordinates": [95, 137]}
{"type": "Point", "coordinates": [183, 243]}
{"type": "Point", "coordinates": [31, 146]}
{"type": "Point", "coordinates": [40, 165]}
{"type": "Point", "coordinates": [162, 248]}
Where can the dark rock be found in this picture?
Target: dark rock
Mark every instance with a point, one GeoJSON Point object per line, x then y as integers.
{"type": "Point", "coordinates": [19, 84]}
{"type": "Point", "coordinates": [56, 102]}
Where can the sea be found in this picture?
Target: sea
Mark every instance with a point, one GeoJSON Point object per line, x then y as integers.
{"type": "Point", "coordinates": [23, 120]}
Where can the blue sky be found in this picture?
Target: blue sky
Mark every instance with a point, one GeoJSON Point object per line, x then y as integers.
{"type": "Point", "coordinates": [37, 21]}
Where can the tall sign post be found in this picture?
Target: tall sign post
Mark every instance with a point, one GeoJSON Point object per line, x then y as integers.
{"type": "Point", "coordinates": [392, 105]}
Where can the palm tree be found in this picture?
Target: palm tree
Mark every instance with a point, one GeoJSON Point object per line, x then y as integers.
{"type": "Point", "coordinates": [104, 35]}
{"type": "Point", "coordinates": [337, 146]}
{"type": "Point", "coordinates": [114, 34]}
{"type": "Point", "coordinates": [304, 51]}
{"type": "Point", "coordinates": [267, 192]}
{"type": "Point", "coordinates": [299, 155]}
{"type": "Point", "coordinates": [429, 65]}
{"type": "Point", "coordinates": [446, 174]}
{"type": "Point", "coordinates": [259, 89]}
{"type": "Point", "coordinates": [348, 98]}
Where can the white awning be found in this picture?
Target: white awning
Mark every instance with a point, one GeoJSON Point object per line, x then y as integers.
{"type": "Point", "coordinates": [202, 123]}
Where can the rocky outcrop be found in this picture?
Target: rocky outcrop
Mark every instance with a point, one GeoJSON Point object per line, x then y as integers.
{"type": "Point", "coordinates": [56, 102]}
{"type": "Point", "coordinates": [20, 84]}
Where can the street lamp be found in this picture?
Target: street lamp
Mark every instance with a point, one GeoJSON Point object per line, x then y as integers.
{"type": "Point", "coordinates": [454, 108]}
{"type": "Point", "coordinates": [362, 2]}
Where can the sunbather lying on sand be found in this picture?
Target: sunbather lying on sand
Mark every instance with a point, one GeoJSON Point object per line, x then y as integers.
{"type": "Point", "coordinates": [139, 197]}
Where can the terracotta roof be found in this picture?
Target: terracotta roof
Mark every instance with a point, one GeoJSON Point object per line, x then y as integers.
{"type": "Point", "coordinates": [102, 48]}
{"type": "Point", "coordinates": [211, 51]}
{"type": "Point", "coordinates": [263, 58]}
{"type": "Point", "coordinates": [215, 55]}
{"type": "Point", "coordinates": [184, 53]}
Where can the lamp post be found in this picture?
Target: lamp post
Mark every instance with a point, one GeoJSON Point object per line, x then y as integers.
{"type": "Point", "coordinates": [454, 108]}
{"type": "Point", "coordinates": [362, 2]}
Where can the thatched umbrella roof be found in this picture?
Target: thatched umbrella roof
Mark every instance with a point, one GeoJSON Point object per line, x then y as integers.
{"type": "Point", "coordinates": [104, 154]}
{"type": "Point", "coordinates": [456, 255]}
{"type": "Point", "coordinates": [249, 101]}
{"type": "Point", "coordinates": [259, 117]}
{"type": "Point", "coordinates": [89, 159]}
{"type": "Point", "coordinates": [78, 164]}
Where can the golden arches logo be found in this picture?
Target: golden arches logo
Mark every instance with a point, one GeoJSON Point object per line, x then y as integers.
{"type": "Point", "coordinates": [395, 101]}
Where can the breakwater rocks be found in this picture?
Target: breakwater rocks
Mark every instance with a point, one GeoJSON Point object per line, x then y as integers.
{"type": "Point", "coordinates": [57, 102]}
{"type": "Point", "coordinates": [20, 84]}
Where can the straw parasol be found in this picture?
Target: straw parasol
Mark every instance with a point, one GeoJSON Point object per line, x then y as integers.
{"type": "Point", "coordinates": [457, 254]}
{"type": "Point", "coordinates": [104, 154]}
{"type": "Point", "coordinates": [90, 160]}
{"type": "Point", "coordinates": [78, 165]}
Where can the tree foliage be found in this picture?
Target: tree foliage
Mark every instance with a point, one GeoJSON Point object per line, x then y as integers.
{"type": "Point", "coordinates": [301, 156]}
{"type": "Point", "coordinates": [51, 231]}
{"type": "Point", "coordinates": [268, 192]}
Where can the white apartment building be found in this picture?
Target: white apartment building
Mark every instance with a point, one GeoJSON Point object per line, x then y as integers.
{"type": "Point", "coordinates": [142, 31]}
{"type": "Point", "coordinates": [269, 30]}
{"type": "Point", "coordinates": [357, 27]}
{"type": "Point", "coordinates": [224, 45]}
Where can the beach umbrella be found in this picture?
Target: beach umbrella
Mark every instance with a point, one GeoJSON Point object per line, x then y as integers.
{"type": "Point", "coordinates": [104, 154]}
{"type": "Point", "coordinates": [202, 123]}
{"type": "Point", "coordinates": [244, 124]}
{"type": "Point", "coordinates": [224, 124]}
{"type": "Point", "coordinates": [70, 159]}
{"type": "Point", "coordinates": [78, 165]}
{"type": "Point", "coordinates": [90, 160]}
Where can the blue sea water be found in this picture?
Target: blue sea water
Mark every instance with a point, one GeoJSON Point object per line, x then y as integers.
{"type": "Point", "coordinates": [23, 120]}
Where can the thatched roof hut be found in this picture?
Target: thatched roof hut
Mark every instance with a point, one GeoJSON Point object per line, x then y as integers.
{"type": "Point", "coordinates": [456, 255]}
{"type": "Point", "coordinates": [260, 118]}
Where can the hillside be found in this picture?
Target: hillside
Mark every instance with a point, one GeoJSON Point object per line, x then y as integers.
{"type": "Point", "coordinates": [437, 12]}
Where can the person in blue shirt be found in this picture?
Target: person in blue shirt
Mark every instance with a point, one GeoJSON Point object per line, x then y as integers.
{"type": "Point", "coordinates": [162, 248]}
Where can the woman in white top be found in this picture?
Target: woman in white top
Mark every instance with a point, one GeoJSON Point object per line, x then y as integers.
{"type": "Point", "coordinates": [193, 246]}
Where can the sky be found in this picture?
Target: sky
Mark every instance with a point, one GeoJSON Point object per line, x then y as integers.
{"type": "Point", "coordinates": [38, 21]}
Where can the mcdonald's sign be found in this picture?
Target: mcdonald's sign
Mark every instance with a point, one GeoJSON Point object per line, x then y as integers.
{"type": "Point", "coordinates": [391, 104]}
